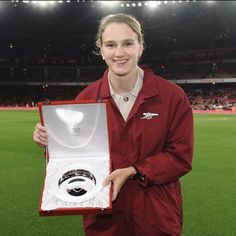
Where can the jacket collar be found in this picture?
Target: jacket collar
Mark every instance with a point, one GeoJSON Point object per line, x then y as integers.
{"type": "Point", "coordinates": [149, 88]}
{"type": "Point", "coordinates": [137, 86]}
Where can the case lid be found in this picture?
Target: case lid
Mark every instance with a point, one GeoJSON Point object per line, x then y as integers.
{"type": "Point", "coordinates": [76, 130]}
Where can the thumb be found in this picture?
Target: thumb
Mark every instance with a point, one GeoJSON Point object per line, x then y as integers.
{"type": "Point", "coordinates": [107, 181]}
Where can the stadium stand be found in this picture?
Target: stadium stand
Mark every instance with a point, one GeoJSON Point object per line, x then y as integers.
{"type": "Point", "coordinates": [54, 56]}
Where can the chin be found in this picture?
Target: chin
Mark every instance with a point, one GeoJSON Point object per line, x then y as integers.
{"type": "Point", "coordinates": [121, 72]}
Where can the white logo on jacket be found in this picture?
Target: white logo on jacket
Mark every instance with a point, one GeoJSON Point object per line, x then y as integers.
{"type": "Point", "coordinates": [148, 115]}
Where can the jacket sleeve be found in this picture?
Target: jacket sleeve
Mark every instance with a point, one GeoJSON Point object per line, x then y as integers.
{"type": "Point", "coordinates": [176, 158]}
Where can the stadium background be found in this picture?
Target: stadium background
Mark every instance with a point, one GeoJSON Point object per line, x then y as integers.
{"type": "Point", "coordinates": [48, 52]}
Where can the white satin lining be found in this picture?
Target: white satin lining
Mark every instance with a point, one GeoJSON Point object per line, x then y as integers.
{"type": "Point", "coordinates": [70, 125]}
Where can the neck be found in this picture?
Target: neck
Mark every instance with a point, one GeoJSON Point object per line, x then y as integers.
{"type": "Point", "coordinates": [123, 84]}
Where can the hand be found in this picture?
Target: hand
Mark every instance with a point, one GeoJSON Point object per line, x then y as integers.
{"type": "Point", "coordinates": [118, 178]}
{"type": "Point", "coordinates": [40, 136]}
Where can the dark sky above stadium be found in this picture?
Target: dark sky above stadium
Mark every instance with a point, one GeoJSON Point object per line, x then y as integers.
{"type": "Point", "coordinates": [177, 25]}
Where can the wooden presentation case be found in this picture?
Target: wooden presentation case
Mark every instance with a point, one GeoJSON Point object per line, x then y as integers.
{"type": "Point", "coordinates": [78, 158]}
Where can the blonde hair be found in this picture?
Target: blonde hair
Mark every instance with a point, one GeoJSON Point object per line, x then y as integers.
{"type": "Point", "coordinates": [119, 18]}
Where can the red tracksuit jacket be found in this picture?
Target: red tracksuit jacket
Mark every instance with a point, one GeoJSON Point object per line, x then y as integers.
{"type": "Point", "coordinates": [160, 146]}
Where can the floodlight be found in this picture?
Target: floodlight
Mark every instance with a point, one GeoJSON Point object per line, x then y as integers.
{"type": "Point", "coordinates": [109, 3]}
{"type": "Point", "coordinates": [42, 4]}
{"type": "Point", "coordinates": [51, 2]}
{"type": "Point", "coordinates": [152, 4]}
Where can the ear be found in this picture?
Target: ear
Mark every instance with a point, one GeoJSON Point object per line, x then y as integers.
{"type": "Point", "coordinates": [140, 51]}
{"type": "Point", "coordinates": [101, 52]}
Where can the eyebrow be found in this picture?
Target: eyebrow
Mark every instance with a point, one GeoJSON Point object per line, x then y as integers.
{"type": "Point", "coordinates": [125, 40]}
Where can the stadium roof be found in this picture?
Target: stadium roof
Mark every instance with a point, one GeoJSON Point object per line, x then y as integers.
{"type": "Point", "coordinates": [64, 26]}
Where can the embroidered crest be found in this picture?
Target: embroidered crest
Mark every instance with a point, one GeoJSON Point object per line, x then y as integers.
{"type": "Point", "coordinates": [148, 115]}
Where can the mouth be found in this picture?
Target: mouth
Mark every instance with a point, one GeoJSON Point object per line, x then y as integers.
{"type": "Point", "coordinates": [121, 62]}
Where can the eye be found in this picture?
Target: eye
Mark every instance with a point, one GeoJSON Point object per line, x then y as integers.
{"type": "Point", "coordinates": [128, 44]}
{"type": "Point", "coordinates": [110, 45]}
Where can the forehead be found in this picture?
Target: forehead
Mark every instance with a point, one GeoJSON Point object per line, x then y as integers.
{"type": "Point", "coordinates": [118, 31]}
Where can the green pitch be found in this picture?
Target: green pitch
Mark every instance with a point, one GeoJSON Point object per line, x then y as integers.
{"type": "Point", "coordinates": [209, 190]}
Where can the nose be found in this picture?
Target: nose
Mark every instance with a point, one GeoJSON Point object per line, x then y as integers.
{"type": "Point", "coordinates": [119, 51]}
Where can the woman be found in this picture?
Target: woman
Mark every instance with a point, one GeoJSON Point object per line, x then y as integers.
{"type": "Point", "coordinates": [151, 137]}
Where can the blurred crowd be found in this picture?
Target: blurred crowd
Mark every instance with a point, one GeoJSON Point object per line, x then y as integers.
{"type": "Point", "coordinates": [212, 99]}
{"type": "Point", "coordinates": [26, 80]}
{"type": "Point", "coordinates": [201, 98]}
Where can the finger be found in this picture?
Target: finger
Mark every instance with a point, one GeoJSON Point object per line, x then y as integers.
{"type": "Point", "coordinates": [114, 195]}
{"type": "Point", "coordinates": [106, 181]}
{"type": "Point", "coordinates": [40, 143]}
{"type": "Point", "coordinates": [42, 134]}
{"type": "Point", "coordinates": [39, 140]}
{"type": "Point", "coordinates": [39, 126]}
{"type": "Point", "coordinates": [116, 190]}
{"type": "Point", "coordinates": [44, 143]}
{"type": "Point", "coordinates": [41, 130]}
